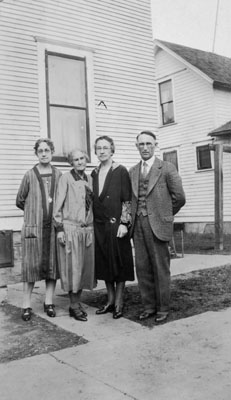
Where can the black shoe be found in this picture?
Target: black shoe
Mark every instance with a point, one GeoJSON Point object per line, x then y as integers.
{"type": "Point", "coordinates": [161, 318]}
{"type": "Point", "coordinates": [145, 315]}
{"type": "Point", "coordinates": [105, 309]}
{"type": "Point", "coordinates": [26, 314]}
{"type": "Point", "coordinates": [118, 312]}
{"type": "Point", "coordinates": [82, 309]}
{"type": "Point", "coordinates": [50, 310]}
{"type": "Point", "coordinates": [77, 314]}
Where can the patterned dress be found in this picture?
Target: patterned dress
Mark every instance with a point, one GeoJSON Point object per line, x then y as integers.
{"type": "Point", "coordinates": [113, 256]}
{"type": "Point", "coordinates": [36, 197]}
{"type": "Point", "coordinates": [73, 215]}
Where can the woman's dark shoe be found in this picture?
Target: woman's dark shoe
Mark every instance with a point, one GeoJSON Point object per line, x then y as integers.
{"type": "Point", "coordinates": [77, 314]}
{"type": "Point", "coordinates": [50, 310]}
{"type": "Point", "coordinates": [105, 309]}
{"type": "Point", "coordinates": [118, 312]}
{"type": "Point", "coordinates": [26, 314]}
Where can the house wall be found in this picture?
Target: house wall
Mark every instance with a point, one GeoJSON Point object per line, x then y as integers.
{"type": "Point", "coordinates": [222, 100]}
{"type": "Point", "coordinates": [196, 110]}
{"type": "Point", "coordinates": [116, 35]}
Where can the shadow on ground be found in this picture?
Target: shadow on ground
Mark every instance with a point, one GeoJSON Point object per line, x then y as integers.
{"type": "Point", "coordinates": [19, 339]}
{"type": "Point", "coordinates": [192, 293]}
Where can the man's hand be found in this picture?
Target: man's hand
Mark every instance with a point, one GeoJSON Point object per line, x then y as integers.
{"type": "Point", "coordinates": [122, 231]}
{"type": "Point", "coordinates": [61, 238]}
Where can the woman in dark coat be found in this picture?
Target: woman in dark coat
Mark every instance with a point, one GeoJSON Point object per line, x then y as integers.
{"type": "Point", "coordinates": [36, 197]}
{"type": "Point", "coordinates": [111, 207]}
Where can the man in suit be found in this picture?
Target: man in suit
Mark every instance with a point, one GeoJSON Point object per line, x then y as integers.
{"type": "Point", "coordinates": [157, 195]}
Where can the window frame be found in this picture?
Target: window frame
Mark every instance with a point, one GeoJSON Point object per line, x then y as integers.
{"type": "Point", "coordinates": [172, 150]}
{"type": "Point", "coordinates": [197, 147]}
{"type": "Point", "coordinates": [161, 113]}
{"type": "Point", "coordinates": [68, 51]}
{"type": "Point", "coordinates": [47, 54]}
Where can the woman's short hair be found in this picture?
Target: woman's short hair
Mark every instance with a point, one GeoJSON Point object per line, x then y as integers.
{"type": "Point", "coordinates": [72, 152]}
{"type": "Point", "coordinates": [108, 139]}
{"type": "Point", "coordinates": [44, 140]}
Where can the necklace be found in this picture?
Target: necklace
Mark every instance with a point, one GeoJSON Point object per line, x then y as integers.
{"type": "Point", "coordinates": [48, 191]}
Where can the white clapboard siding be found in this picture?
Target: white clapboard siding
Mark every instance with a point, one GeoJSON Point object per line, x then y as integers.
{"type": "Point", "coordinates": [119, 35]}
{"type": "Point", "coordinates": [194, 112]}
{"type": "Point", "coordinates": [222, 100]}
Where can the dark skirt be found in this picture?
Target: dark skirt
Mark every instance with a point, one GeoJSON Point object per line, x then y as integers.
{"type": "Point", "coordinates": [113, 256]}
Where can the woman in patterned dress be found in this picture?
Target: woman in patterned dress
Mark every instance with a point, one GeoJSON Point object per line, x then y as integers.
{"type": "Point", "coordinates": [111, 207]}
{"type": "Point", "coordinates": [73, 219]}
{"type": "Point", "coordinates": [36, 198]}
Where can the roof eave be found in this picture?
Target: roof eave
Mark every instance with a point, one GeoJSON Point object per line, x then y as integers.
{"type": "Point", "coordinates": [220, 133]}
{"type": "Point", "coordinates": [157, 43]}
{"type": "Point", "coordinates": [222, 85]}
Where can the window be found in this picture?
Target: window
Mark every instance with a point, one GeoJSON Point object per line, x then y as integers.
{"type": "Point", "coordinates": [203, 157]}
{"type": "Point", "coordinates": [166, 102]}
{"type": "Point", "coordinates": [171, 156]}
{"type": "Point", "coordinates": [67, 103]}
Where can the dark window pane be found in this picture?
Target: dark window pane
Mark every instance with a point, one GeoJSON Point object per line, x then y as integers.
{"type": "Point", "coordinates": [203, 157]}
{"type": "Point", "coordinates": [171, 156]}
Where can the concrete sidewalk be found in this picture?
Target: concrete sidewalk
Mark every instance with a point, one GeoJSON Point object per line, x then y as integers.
{"type": "Point", "coordinates": [188, 359]}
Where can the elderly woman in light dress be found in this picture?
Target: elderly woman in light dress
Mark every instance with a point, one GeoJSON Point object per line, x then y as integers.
{"type": "Point", "coordinates": [73, 220]}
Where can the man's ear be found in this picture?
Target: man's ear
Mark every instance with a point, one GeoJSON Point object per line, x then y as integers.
{"type": "Point", "coordinates": [137, 146]}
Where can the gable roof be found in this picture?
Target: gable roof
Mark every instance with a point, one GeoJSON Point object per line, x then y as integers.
{"type": "Point", "coordinates": [222, 130]}
{"type": "Point", "coordinates": [216, 67]}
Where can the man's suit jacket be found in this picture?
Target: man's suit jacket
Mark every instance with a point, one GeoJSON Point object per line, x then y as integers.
{"type": "Point", "coordinates": [165, 196]}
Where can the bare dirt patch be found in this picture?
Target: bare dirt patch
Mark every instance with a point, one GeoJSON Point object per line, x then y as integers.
{"type": "Point", "coordinates": [19, 339]}
{"type": "Point", "coordinates": [191, 294]}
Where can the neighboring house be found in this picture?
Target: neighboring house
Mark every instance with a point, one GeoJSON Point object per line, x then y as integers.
{"type": "Point", "coordinates": [194, 99]}
{"type": "Point", "coordinates": [71, 70]}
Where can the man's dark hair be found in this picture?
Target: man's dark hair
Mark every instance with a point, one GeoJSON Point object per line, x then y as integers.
{"type": "Point", "coordinates": [150, 133]}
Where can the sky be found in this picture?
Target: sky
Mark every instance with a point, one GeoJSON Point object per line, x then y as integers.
{"type": "Point", "coordinates": [192, 23]}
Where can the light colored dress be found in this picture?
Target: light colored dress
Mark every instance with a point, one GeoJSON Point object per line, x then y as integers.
{"type": "Point", "coordinates": [73, 215]}
{"type": "Point", "coordinates": [36, 197]}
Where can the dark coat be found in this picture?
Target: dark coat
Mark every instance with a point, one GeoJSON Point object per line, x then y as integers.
{"type": "Point", "coordinates": [113, 256]}
{"type": "Point", "coordinates": [165, 197]}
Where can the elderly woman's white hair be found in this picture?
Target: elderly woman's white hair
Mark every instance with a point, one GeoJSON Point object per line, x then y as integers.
{"type": "Point", "coordinates": [72, 152]}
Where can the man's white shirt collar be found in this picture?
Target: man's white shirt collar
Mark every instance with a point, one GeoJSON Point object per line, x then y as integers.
{"type": "Point", "coordinates": [148, 162]}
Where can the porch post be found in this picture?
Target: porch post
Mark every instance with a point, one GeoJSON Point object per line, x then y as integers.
{"type": "Point", "coordinates": [218, 186]}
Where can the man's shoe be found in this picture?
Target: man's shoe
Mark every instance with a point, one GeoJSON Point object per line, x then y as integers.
{"type": "Point", "coordinates": [82, 309]}
{"type": "Point", "coordinates": [50, 310]}
{"type": "Point", "coordinates": [161, 318]}
{"type": "Point", "coordinates": [105, 309]}
{"type": "Point", "coordinates": [77, 314]}
{"type": "Point", "coordinates": [145, 315]}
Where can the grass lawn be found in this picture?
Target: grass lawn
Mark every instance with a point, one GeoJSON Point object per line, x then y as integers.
{"type": "Point", "coordinates": [191, 294]}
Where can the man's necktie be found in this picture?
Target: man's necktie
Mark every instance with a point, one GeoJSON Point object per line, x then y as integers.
{"type": "Point", "coordinates": [145, 169]}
